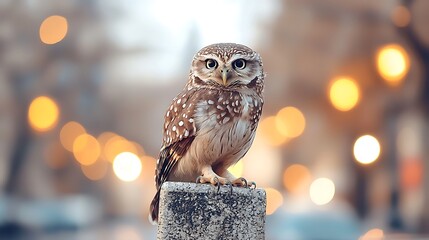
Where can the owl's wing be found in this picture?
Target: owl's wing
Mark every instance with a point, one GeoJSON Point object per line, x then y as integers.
{"type": "Point", "coordinates": [179, 132]}
{"type": "Point", "coordinates": [168, 158]}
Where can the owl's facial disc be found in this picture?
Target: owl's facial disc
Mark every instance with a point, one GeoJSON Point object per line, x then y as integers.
{"type": "Point", "coordinates": [218, 70]}
{"type": "Point", "coordinates": [226, 73]}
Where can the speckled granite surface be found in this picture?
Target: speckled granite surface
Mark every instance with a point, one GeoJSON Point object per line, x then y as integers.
{"type": "Point", "coordinates": [198, 211]}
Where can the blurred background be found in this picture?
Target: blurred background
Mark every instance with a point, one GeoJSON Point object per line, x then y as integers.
{"type": "Point", "coordinates": [341, 148]}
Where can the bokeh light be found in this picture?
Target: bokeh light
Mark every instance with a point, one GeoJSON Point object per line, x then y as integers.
{"type": "Point", "coordinates": [322, 191]}
{"type": "Point", "coordinates": [95, 171]}
{"type": "Point", "coordinates": [366, 149]}
{"type": "Point", "coordinates": [268, 129]}
{"type": "Point", "coordinates": [69, 132]}
{"type": "Point", "coordinates": [392, 63]}
{"type": "Point", "coordinates": [116, 145]}
{"type": "Point", "coordinates": [43, 114]}
{"type": "Point", "coordinates": [138, 148]}
{"type": "Point", "coordinates": [104, 137]}
{"type": "Point", "coordinates": [344, 93]}
{"type": "Point", "coordinates": [86, 149]}
{"type": "Point", "coordinates": [127, 166]}
{"type": "Point", "coordinates": [274, 200]}
{"type": "Point", "coordinates": [401, 16]}
{"type": "Point", "coordinates": [53, 29]}
{"type": "Point", "coordinates": [373, 234]}
{"type": "Point", "coordinates": [411, 173]}
{"type": "Point", "coordinates": [296, 177]}
{"type": "Point", "coordinates": [290, 122]}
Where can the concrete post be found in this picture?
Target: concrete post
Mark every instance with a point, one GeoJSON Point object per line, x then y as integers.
{"type": "Point", "coordinates": [198, 211]}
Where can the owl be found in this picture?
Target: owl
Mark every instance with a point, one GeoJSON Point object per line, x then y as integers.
{"type": "Point", "coordinates": [211, 124]}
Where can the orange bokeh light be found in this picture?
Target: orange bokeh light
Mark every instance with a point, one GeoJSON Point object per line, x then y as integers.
{"type": "Point", "coordinates": [43, 114]}
{"type": "Point", "coordinates": [69, 132]}
{"type": "Point", "coordinates": [401, 16]}
{"type": "Point", "coordinates": [117, 145]}
{"type": "Point", "coordinates": [393, 63]}
{"type": "Point", "coordinates": [373, 234]}
{"type": "Point", "coordinates": [296, 177]}
{"type": "Point", "coordinates": [53, 29]}
{"type": "Point", "coordinates": [139, 149]}
{"type": "Point", "coordinates": [104, 137]}
{"type": "Point", "coordinates": [95, 171]}
{"type": "Point", "coordinates": [344, 93]}
{"type": "Point", "coordinates": [268, 129]}
{"type": "Point", "coordinates": [86, 149]}
{"type": "Point", "coordinates": [274, 200]}
{"type": "Point", "coordinates": [411, 173]}
{"type": "Point", "coordinates": [290, 122]}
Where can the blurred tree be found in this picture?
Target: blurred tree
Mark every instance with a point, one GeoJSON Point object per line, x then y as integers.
{"type": "Point", "coordinates": [421, 50]}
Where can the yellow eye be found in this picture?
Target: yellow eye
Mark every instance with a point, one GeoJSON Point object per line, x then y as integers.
{"type": "Point", "coordinates": [211, 64]}
{"type": "Point", "coordinates": [239, 64]}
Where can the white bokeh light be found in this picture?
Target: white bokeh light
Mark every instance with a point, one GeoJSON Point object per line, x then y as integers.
{"type": "Point", "coordinates": [366, 149]}
{"type": "Point", "coordinates": [127, 166]}
{"type": "Point", "coordinates": [322, 191]}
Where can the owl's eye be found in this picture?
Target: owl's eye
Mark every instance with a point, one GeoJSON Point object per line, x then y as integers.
{"type": "Point", "coordinates": [211, 64]}
{"type": "Point", "coordinates": [239, 64]}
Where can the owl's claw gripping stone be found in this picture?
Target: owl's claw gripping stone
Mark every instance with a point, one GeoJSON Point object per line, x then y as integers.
{"type": "Point", "coordinates": [242, 182]}
{"type": "Point", "coordinates": [215, 181]}
{"type": "Point", "coordinates": [198, 180]}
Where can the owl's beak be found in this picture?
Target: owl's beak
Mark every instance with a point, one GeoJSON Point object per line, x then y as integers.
{"type": "Point", "coordinates": [225, 72]}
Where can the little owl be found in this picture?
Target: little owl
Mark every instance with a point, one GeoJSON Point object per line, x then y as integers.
{"type": "Point", "coordinates": [211, 124]}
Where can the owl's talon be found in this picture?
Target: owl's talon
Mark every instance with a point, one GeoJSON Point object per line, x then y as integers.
{"type": "Point", "coordinates": [198, 180]}
{"type": "Point", "coordinates": [215, 181]}
{"type": "Point", "coordinates": [240, 182]}
{"type": "Point", "coordinates": [244, 181]}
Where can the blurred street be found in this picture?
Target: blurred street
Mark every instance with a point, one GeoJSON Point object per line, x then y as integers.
{"type": "Point", "coordinates": [341, 148]}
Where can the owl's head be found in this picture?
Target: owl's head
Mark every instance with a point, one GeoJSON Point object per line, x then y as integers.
{"type": "Point", "coordinates": [227, 65]}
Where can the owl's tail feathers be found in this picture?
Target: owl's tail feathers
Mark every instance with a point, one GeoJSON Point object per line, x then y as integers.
{"type": "Point", "coordinates": [154, 208]}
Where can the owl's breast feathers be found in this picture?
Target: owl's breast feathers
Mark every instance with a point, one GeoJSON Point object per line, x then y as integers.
{"type": "Point", "coordinates": [221, 107]}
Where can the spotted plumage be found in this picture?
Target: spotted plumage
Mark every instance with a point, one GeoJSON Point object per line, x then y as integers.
{"type": "Point", "coordinates": [211, 124]}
